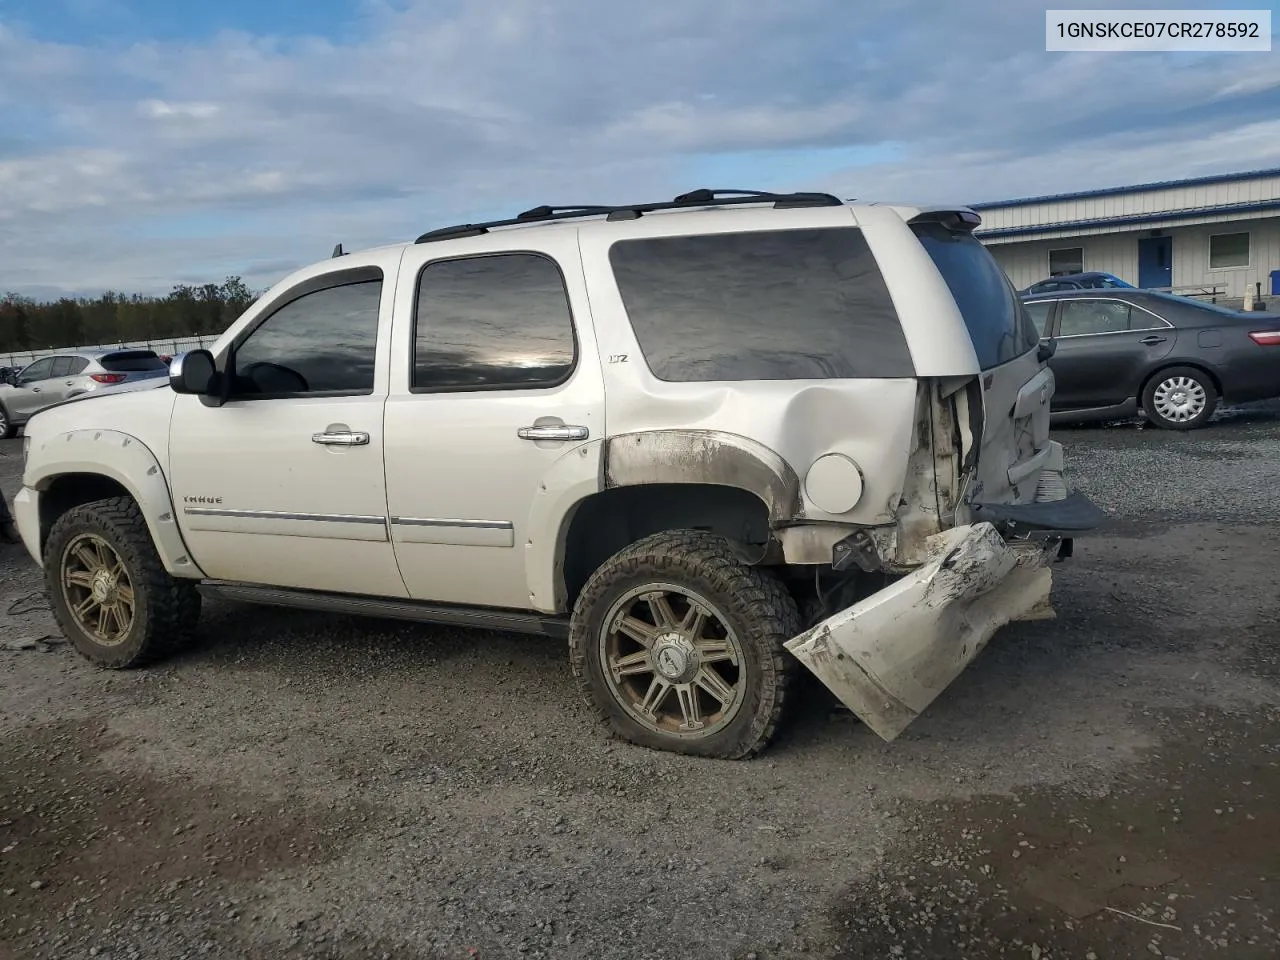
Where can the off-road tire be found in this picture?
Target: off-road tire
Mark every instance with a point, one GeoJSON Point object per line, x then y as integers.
{"type": "Point", "coordinates": [7, 429]}
{"type": "Point", "coordinates": [1160, 376]}
{"type": "Point", "coordinates": [166, 609]}
{"type": "Point", "coordinates": [761, 611]}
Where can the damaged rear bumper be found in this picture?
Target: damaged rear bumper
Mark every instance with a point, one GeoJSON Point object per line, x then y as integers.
{"type": "Point", "coordinates": [889, 656]}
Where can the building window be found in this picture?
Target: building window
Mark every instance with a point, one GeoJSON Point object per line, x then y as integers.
{"type": "Point", "coordinates": [1228, 250]}
{"type": "Point", "coordinates": [1066, 261]}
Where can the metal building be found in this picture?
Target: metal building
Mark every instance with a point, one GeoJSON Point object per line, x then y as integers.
{"type": "Point", "coordinates": [1209, 236]}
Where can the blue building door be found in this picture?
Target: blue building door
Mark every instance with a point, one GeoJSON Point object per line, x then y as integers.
{"type": "Point", "coordinates": [1155, 262]}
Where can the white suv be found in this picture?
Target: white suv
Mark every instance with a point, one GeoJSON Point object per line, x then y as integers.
{"type": "Point", "coordinates": [707, 440]}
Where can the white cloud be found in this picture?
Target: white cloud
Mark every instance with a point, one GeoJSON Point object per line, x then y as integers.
{"type": "Point", "coordinates": [169, 161]}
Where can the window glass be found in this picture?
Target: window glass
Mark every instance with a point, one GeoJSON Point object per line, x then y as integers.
{"type": "Point", "coordinates": [996, 318]}
{"type": "Point", "coordinates": [1066, 261]}
{"type": "Point", "coordinates": [78, 364]}
{"type": "Point", "coordinates": [492, 323]}
{"type": "Point", "coordinates": [1228, 250]}
{"type": "Point", "coordinates": [40, 370]}
{"type": "Point", "coordinates": [761, 305]}
{"type": "Point", "coordinates": [322, 342]}
{"type": "Point", "coordinates": [133, 361]}
{"type": "Point", "coordinates": [1039, 313]}
{"type": "Point", "coordinates": [1080, 317]}
{"type": "Point", "coordinates": [61, 367]}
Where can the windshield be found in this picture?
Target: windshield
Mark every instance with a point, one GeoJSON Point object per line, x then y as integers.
{"type": "Point", "coordinates": [998, 323]}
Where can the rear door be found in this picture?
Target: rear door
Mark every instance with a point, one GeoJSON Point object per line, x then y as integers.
{"type": "Point", "coordinates": [1105, 346]}
{"type": "Point", "coordinates": [1015, 385]}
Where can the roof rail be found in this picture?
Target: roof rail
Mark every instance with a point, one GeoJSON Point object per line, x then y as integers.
{"type": "Point", "coordinates": [630, 211]}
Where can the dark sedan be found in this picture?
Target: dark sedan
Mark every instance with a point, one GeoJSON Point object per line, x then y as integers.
{"type": "Point", "coordinates": [1173, 358]}
{"type": "Point", "coordinates": [1091, 280]}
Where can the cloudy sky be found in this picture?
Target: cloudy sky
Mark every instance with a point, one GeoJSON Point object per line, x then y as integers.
{"type": "Point", "coordinates": [148, 142]}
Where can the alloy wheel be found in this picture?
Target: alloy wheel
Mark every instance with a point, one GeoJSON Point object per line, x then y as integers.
{"type": "Point", "coordinates": [97, 589]}
{"type": "Point", "coordinates": [672, 661]}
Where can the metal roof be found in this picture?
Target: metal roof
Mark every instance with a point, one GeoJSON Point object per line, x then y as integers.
{"type": "Point", "coordinates": [1136, 188]}
{"type": "Point", "coordinates": [1135, 219]}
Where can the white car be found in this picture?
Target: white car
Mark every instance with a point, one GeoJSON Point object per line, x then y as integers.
{"type": "Point", "coordinates": [709, 441]}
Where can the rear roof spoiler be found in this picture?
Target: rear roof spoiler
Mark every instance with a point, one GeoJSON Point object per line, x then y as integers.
{"type": "Point", "coordinates": [957, 219]}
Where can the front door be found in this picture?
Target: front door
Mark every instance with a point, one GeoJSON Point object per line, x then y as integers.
{"type": "Point", "coordinates": [1155, 262]}
{"type": "Point", "coordinates": [496, 402]}
{"type": "Point", "coordinates": [283, 484]}
{"type": "Point", "coordinates": [33, 390]}
{"type": "Point", "coordinates": [1104, 346]}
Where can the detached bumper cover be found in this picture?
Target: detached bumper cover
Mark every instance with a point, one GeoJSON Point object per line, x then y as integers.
{"type": "Point", "coordinates": [889, 656]}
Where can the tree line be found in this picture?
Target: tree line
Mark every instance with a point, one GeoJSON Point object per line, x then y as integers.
{"type": "Point", "coordinates": [186, 311]}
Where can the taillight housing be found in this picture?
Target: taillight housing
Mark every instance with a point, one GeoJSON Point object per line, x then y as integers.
{"type": "Point", "coordinates": [1266, 338]}
{"type": "Point", "coordinates": [107, 377]}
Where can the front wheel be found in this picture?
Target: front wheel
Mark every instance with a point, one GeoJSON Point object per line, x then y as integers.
{"type": "Point", "coordinates": [109, 591]}
{"type": "Point", "coordinates": [678, 646]}
{"type": "Point", "coordinates": [1179, 398]}
{"type": "Point", "coordinates": [7, 429]}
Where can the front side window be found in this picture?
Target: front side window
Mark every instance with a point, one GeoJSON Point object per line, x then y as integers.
{"type": "Point", "coordinates": [1228, 250]}
{"type": "Point", "coordinates": [40, 370]}
{"type": "Point", "coordinates": [498, 322]}
{"type": "Point", "coordinates": [1066, 261]}
{"type": "Point", "coordinates": [323, 342]}
{"type": "Point", "coordinates": [996, 318]}
{"type": "Point", "coordinates": [761, 305]}
{"type": "Point", "coordinates": [1083, 317]}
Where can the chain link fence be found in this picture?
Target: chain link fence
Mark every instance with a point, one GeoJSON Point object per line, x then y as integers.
{"type": "Point", "coordinates": [166, 347]}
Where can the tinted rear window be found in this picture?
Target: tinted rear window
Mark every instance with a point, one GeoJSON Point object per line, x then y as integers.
{"type": "Point", "coordinates": [997, 320]}
{"type": "Point", "coordinates": [765, 305]}
{"type": "Point", "coordinates": [137, 361]}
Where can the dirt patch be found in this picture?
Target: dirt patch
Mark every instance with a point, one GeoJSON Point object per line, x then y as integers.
{"type": "Point", "coordinates": [1179, 857]}
{"type": "Point", "coordinates": [83, 847]}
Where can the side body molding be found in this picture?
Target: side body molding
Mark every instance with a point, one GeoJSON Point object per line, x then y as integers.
{"type": "Point", "coordinates": [705, 456]}
{"type": "Point", "coordinates": [129, 462]}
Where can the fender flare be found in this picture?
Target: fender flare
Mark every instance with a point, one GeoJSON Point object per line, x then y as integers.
{"type": "Point", "coordinates": [705, 456]}
{"type": "Point", "coordinates": [129, 462]}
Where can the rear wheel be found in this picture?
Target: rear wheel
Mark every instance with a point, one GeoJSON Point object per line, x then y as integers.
{"type": "Point", "coordinates": [109, 591]}
{"type": "Point", "coordinates": [677, 645]}
{"type": "Point", "coordinates": [7, 429]}
{"type": "Point", "coordinates": [1179, 398]}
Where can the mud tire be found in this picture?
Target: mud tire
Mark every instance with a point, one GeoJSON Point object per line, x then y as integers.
{"type": "Point", "coordinates": [751, 600]}
{"type": "Point", "coordinates": [166, 609]}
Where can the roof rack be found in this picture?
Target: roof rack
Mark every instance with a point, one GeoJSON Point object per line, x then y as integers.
{"type": "Point", "coordinates": [632, 211]}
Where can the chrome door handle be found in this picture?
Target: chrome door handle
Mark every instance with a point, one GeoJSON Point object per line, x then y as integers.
{"type": "Point", "coordinates": [344, 438]}
{"type": "Point", "coordinates": [1152, 340]}
{"type": "Point", "coordinates": [551, 432]}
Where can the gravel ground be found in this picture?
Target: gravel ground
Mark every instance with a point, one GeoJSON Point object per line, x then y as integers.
{"type": "Point", "coordinates": [1101, 785]}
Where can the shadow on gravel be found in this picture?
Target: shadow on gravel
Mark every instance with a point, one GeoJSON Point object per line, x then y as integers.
{"type": "Point", "coordinates": [1180, 857]}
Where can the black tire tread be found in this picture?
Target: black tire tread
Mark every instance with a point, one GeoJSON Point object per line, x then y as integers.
{"type": "Point", "coordinates": [753, 595]}
{"type": "Point", "coordinates": [172, 605]}
{"type": "Point", "coordinates": [1212, 397]}
{"type": "Point", "coordinates": [8, 429]}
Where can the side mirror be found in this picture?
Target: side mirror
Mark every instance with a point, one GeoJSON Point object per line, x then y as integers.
{"type": "Point", "coordinates": [193, 373]}
{"type": "Point", "coordinates": [1047, 349]}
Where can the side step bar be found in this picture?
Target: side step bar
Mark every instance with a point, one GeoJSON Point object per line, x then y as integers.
{"type": "Point", "coordinates": [484, 618]}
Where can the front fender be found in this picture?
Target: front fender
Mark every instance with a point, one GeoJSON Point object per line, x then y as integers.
{"type": "Point", "coordinates": [129, 462]}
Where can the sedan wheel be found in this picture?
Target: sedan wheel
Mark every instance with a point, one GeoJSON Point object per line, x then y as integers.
{"type": "Point", "coordinates": [1179, 398]}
